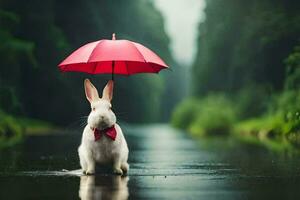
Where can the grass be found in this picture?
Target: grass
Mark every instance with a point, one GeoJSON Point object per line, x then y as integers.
{"type": "Point", "coordinates": [35, 126]}
{"type": "Point", "coordinates": [211, 115]}
{"type": "Point", "coordinates": [11, 132]}
{"type": "Point", "coordinates": [13, 129]}
{"type": "Point", "coordinates": [217, 115]}
{"type": "Point", "coordinates": [270, 130]}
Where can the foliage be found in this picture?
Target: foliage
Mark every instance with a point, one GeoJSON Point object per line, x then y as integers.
{"type": "Point", "coordinates": [211, 115]}
{"type": "Point", "coordinates": [282, 121]}
{"type": "Point", "coordinates": [268, 130]}
{"type": "Point", "coordinates": [245, 43]}
{"type": "Point", "coordinates": [248, 50]}
{"type": "Point", "coordinates": [185, 113]}
{"type": "Point", "coordinates": [36, 35]}
{"type": "Point", "coordinates": [252, 100]}
{"type": "Point", "coordinates": [217, 116]}
{"type": "Point", "coordinates": [11, 132]}
{"type": "Point", "coordinates": [13, 129]}
{"type": "Point", "coordinates": [293, 70]}
{"type": "Point", "coordinates": [13, 51]}
{"type": "Point", "coordinates": [289, 107]}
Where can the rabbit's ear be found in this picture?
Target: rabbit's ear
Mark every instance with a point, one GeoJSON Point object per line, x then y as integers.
{"type": "Point", "coordinates": [108, 91]}
{"type": "Point", "coordinates": [91, 92]}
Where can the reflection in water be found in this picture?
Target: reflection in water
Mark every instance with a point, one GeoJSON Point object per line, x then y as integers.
{"type": "Point", "coordinates": [103, 187]}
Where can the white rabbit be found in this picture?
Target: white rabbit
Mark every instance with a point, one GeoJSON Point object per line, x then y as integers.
{"type": "Point", "coordinates": [102, 142]}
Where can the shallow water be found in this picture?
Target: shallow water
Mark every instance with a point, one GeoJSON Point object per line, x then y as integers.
{"type": "Point", "coordinates": [165, 164]}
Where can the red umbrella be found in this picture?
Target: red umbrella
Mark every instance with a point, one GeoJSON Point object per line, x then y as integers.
{"type": "Point", "coordinates": [113, 56]}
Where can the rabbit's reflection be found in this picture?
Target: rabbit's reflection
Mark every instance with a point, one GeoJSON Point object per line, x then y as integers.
{"type": "Point", "coordinates": [103, 187]}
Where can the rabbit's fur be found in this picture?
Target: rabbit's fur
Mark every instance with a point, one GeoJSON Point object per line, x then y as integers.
{"type": "Point", "coordinates": [105, 151]}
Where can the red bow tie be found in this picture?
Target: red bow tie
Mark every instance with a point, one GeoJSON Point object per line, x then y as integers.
{"type": "Point", "coordinates": [109, 132]}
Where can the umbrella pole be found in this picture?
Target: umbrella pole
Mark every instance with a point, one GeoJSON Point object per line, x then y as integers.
{"type": "Point", "coordinates": [113, 69]}
{"type": "Point", "coordinates": [113, 62]}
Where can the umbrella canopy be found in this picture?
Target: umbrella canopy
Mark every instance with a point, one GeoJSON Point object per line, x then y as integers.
{"type": "Point", "coordinates": [113, 56]}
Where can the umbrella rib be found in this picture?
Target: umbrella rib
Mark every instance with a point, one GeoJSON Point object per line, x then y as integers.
{"type": "Point", "coordinates": [152, 68]}
{"type": "Point", "coordinates": [127, 68]}
{"type": "Point", "coordinates": [143, 57]}
{"type": "Point", "coordinates": [139, 53]}
{"type": "Point", "coordinates": [94, 50]}
{"type": "Point", "coordinates": [94, 68]}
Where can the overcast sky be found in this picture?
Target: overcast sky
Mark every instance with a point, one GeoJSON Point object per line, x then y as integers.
{"type": "Point", "coordinates": [181, 24]}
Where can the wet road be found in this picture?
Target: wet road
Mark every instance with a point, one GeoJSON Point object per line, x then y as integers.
{"type": "Point", "coordinates": [165, 164]}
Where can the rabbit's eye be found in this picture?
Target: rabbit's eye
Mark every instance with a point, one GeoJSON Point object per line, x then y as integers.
{"type": "Point", "coordinates": [93, 108]}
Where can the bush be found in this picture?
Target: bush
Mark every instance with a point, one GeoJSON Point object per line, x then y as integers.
{"type": "Point", "coordinates": [11, 132]}
{"type": "Point", "coordinates": [212, 115]}
{"type": "Point", "coordinates": [252, 101]}
{"type": "Point", "coordinates": [281, 123]}
{"type": "Point", "coordinates": [288, 106]}
{"type": "Point", "coordinates": [216, 116]}
{"type": "Point", "coordinates": [9, 101]}
{"type": "Point", "coordinates": [293, 70]}
{"type": "Point", "coordinates": [185, 113]}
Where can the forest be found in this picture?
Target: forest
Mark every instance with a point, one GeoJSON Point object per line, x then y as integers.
{"type": "Point", "coordinates": [36, 36]}
{"type": "Point", "coordinates": [246, 76]}
{"type": "Point", "coordinates": [223, 122]}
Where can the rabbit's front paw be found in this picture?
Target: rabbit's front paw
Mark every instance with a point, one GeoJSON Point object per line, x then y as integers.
{"type": "Point", "coordinates": [90, 172]}
{"type": "Point", "coordinates": [118, 171]}
{"type": "Point", "coordinates": [125, 167]}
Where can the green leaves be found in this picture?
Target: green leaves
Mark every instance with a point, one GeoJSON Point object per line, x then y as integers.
{"type": "Point", "coordinates": [36, 36]}
{"type": "Point", "coordinates": [244, 43]}
{"type": "Point", "coordinates": [212, 115]}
